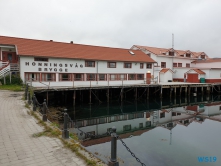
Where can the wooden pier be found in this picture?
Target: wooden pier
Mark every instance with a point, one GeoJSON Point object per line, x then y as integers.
{"type": "Point", "coordinates": [137, 91]}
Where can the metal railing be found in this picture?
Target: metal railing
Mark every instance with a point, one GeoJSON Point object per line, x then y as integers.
{"type": "Point", "coordinates": [4, 69]}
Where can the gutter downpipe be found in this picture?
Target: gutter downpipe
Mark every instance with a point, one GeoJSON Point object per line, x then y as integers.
{"type": "Point", "coordinates": [97, 74]}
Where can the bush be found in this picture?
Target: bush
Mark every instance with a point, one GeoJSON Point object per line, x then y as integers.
{"type": "Point", "coordinates": [15, 80]}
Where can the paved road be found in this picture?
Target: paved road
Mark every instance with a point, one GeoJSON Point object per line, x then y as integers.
{"type": "Point", "coordinates": [18, 147]}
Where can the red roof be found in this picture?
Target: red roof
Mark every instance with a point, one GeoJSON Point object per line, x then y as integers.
{"type": "Point", "coordinates": [208, 60]}
{"type": "Point", "coordinates": [42, 48]}
{"type": "Point", "coordinates": [166, 70]}
{"type": "Point", "coordinates": [197, 71]}
{"type": "Point", "coordinates": [162, 51]}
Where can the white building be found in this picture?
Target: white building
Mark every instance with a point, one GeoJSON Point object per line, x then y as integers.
{"type": "Point", "coordinates": [187, 66]}
{"type": "Point", "coordinates": [50, 63]}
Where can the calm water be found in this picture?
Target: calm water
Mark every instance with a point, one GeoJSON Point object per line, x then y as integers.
{"type": "Point", "coordinates": [158, 132]}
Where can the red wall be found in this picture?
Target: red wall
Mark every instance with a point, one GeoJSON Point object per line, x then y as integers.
{"type": "Point", "coordinates": [5, 56]}
{"type": "Point", "coordinates": [212, 80]}
{"type": "Point", "coordinates": [178, 79]}
{"type": "Point", "coordinates": [192, 78]}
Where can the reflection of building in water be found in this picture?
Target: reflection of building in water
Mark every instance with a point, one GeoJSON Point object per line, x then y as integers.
{"type": "Point", "coordinates": [124, 123]}
{"type": "Point", "coordinates": [169, 118]}
{"type": "Point", "coordinates": [133, 124]}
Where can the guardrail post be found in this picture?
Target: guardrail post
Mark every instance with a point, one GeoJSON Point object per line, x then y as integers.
{"type": "Point", "coordinates": [113, 160]}
{"type": "Point", "coordinates": [65, 132]}
{"type": "Point", "coordinates": [26, 91]}
{"type": "Point", "coordinates": [44, 117]}
{"type": "Point", "coordinates": [29, 97]}
{"type": "Point", "coordinates": [34, 102]}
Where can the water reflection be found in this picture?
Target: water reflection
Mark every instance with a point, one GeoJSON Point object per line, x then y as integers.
{"type": "Point", "coordinates": [158, 132]}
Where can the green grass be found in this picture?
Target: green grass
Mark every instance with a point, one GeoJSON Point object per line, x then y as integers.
{"type": "Point", "coordinates": [11, 87]}
{"type": "Point", "coordinates": [53, 131]}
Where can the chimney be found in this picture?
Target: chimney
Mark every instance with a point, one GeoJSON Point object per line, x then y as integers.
{"type": "Point", "coordinates": [71, 42]}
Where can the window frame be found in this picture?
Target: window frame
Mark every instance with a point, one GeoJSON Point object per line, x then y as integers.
{"type": "Point", "coordinates": [179, 64]}
{"type": "Point", "coordinates": [141, 78]}
{"type": "Point", "coordinates": [69, 78]}
{"type": "Point", "coordinates": [105, 77]}
{"type": "Point", "coordinates": [174, 64]}
{"type": "Point", "coordinates": [91, 79]}
{"type": "Point", "coordinates": [148, 65]}
{"type": "Point", "coordinates": [188, 55]}
{"type": "Point", "coordinates": [187, 64]}
{"type": "Point", "coordinates": [129, 77]}
{"type": "Point", "coordinates": [28, 74]}
{"type": "Point", "coordinates": [87, 64]}
{"type": "Point", "coordinates": [163, 64]}
{"type": "Point", "coordinates": [126, 65]}
{"type": "Point", "coordinates": [78, 79]}
{"type": "Point", "coordinates": [41, 59]}
{"type": "Point", "coordinates": [109, 66]}
{"type": "Point", "coordinates": [44, 77]}
{"type": "Point", "coordinates": [171, 53]}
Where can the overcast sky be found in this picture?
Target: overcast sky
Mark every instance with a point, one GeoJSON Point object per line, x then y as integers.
{"type": "Point", "coordinates": [196, 24]}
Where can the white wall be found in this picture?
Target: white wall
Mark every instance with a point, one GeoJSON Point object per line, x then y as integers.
{"type": "Point", "coordinates": [27, 64]}
{"type": "Point", "coordinates": [164, 77]}
{"type": "Point", "coordinates": [207, 65]}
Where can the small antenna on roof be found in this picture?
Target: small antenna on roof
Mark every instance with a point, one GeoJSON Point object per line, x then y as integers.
{"type": "Point", "coordinates": [172, 40]}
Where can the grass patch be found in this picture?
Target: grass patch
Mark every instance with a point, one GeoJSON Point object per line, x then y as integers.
{"type": "Point", "coordinates": [11, 87]}
{"type": "Point", "coordinates": [53, 131]}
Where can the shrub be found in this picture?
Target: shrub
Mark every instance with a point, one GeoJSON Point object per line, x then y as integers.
{"type": "Point", "coordinates": [15, 80]}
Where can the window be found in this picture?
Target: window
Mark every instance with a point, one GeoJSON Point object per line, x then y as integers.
{"type": "Point", "coordinates": [65, 77]}
{"type": "Point", "coordinates": [89, 63]}
{"type": "Point", "coordinates": [140, 76]}
{"type": "Point", "coordinates": [41, 59]}
{"type": "Point", "coordinates": [170, 125]}
{"type": "Point", "coordinates": [131, 116]}
{"type": "Point", "coordinates": [48, 77]}
{"type": "Point", "coordinates": [78, 77]}
{"type": "Point", "coordinates": [102, 77]}
{"type": "Point", "coordinates": [88, 135]}
{"type": "Point", "coordinates": [173, 113]}
{"type": "Point", "coordinates": [111, 64]}
{"type": "Point", "coordinates": [102, 120]}
{"type": "Point", "coordinates": [131, 76]}
{"type": "Point", "coordinates": [171, 53]}
{"type": "Point", "coordinates": [127, 65]}
{"type": "Point", "coordinates": [127, 127]}
{"type": "Point", "coordinates": [182, 55]}
{"type": "Point", "coordinates": [187, 65]}
{"type": "Point", "coordinates": [162, 115]}
{"type": "Point", "coordinates": [113, 77]}
{"type": "Point", "coordinates": [179, 64]}
{"type": "Point", "coordinates": [163, 64]}
{"type": "Point", "coordinates": [122, 77]}
{"type": "Point", "coordinates": [174, 64]}
{"type": "Point", "coordinates": [32, 76]}
{"type": "Point", "coordinates": [149, 66]}
{"type": "Point", "coordinates": [188, 55]}
{"type": "Point", "coordinates": [140, 125]}
{"type": "Point", "coordinates": [91, 122]}
{"type": "Point", "coordinates": [91, 77]}
{"type": "Point", "coordinates": [202, 56]}
{"type": "Point", "coordinates": [220, 108]}
{"type": "Point", "coordinates": [141, 65]}
{"type": "Point", "coordinates": [148, 123]}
